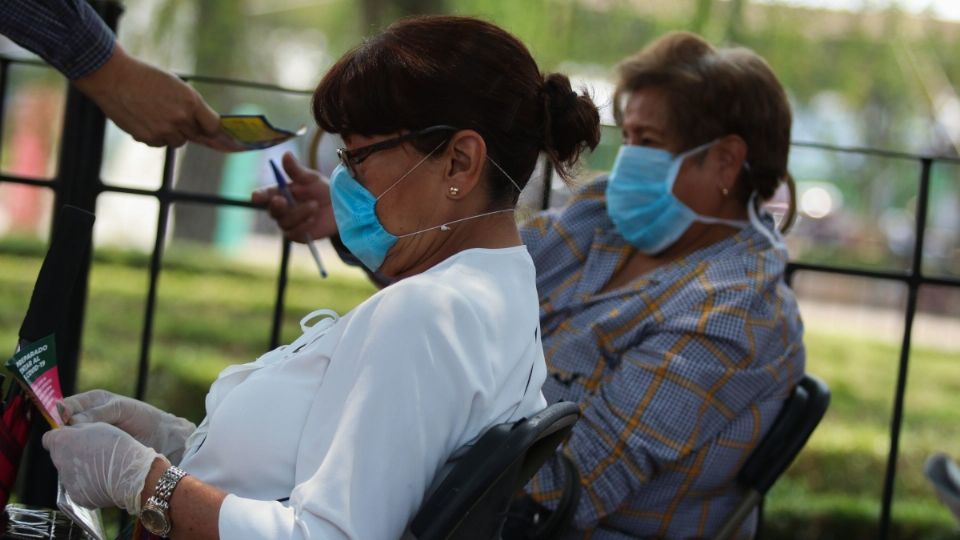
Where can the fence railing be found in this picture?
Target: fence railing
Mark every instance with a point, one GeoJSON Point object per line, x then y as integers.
{"type": "Point", "coordinates": [78, 182]}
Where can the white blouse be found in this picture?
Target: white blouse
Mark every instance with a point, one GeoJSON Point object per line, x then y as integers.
{"type": "Point", "coordinates": [353, 420]}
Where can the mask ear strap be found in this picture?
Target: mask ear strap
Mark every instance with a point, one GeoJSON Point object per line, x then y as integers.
{"type": "Point", "coordinates": [406, 174]}
{"type": "Point", "coordinates": [679, 159]}
{"type": "Point", "coordinates": [446, 226]}
{"type": "Point", "coordinates": [510, 178]}
{"type": "Point", "coordinates": [775, 240]}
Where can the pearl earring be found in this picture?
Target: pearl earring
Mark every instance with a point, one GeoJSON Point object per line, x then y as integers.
{"type": "Point", "coordinates": [454, 191]}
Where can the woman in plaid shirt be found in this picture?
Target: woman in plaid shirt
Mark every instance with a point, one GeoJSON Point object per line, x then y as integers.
{"type": "Point", "coordinates": [663, 305]}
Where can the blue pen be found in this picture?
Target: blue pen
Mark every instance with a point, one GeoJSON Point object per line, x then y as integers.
{"type": "Point", "coordinates": [282, 186]}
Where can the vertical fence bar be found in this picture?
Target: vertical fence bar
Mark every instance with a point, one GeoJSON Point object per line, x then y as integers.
{"type": "Point", "coordinates": [77, 183]}
{"type": "Point", "coordinates": [547, 186]}
{"type": "Point", "coordinates": [277, 326]}
{"type": "Point", "coordinates": [4, 67]}
{"type": "Point", "coordinates": [914, 282]}
{"type": "Point", "coordinates": [156, 263]}
{"type": "Point", "coordinates": [789, 274]}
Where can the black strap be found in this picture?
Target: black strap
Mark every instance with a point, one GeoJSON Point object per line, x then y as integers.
{"type": "Point", "coordinates": [530, 520]}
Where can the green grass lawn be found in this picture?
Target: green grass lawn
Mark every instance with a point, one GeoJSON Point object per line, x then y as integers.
{"type": "Point", "coordinates": [211, 313]}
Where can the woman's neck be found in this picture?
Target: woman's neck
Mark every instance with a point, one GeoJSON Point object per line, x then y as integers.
{"type": "Point", "coordinates": [697, 237]}
{"type": "Point", "coordinates": [494, 231]}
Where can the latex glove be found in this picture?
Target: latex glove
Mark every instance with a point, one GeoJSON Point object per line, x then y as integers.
{"type": "Point", "coordinates": [153, 106]}
{"type": "Point", "coordinates": [100, 465]}
{"type": "Point", "coordinates": [157, 429]}
{"type": "Point", "coordinates": [313, 215]}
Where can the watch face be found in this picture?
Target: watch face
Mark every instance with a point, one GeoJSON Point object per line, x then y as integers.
{"type": "Point", "coordinates": [154, 520]}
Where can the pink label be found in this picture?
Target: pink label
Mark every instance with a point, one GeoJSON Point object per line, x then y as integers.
{"type": "Point", "coordinates": [36, 367]}
{"type": "Point", "coordinates": [47, 390]}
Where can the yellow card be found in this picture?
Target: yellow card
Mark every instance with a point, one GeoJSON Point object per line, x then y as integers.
{"type": "Point", "coordinates": [254, 132]}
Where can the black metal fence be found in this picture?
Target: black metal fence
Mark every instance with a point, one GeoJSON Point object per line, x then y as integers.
{"type": "Point", "coordinates": [78, 182]}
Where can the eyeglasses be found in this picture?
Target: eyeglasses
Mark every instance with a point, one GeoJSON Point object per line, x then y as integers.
{"type": "Point", "coordinates": [351, 158]}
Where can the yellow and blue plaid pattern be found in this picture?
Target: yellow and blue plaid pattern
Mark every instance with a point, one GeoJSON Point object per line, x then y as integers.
{"type": "Point", "coordinates": [679, 374]}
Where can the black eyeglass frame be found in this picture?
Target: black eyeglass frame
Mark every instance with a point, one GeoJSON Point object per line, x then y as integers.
{"type": "Point", "coordinates": [351, 158]}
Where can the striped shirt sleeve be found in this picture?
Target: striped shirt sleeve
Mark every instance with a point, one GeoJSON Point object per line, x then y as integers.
{"type": "Point", "coordinates": [660, 408]}
{"type": "Point", "coordinates": [68, 34]}
{"type": "Point", "coordinates": [546, 234]}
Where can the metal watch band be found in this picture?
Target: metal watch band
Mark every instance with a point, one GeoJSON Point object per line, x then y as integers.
{"type": "Point", "coordinates": [168, 480]}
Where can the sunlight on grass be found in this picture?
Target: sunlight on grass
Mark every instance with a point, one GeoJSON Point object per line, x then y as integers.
{"type": "Point", "coordinates": [833, 489]}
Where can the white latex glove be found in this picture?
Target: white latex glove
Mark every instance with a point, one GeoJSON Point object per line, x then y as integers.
{"type": "Point", "coordinates": [100, 465]}
{"type": "Point", "coordinates": [157, 429]}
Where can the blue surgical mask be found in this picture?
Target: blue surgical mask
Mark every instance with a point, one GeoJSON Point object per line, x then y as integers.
{"type": "Point", "coordinates": [355, 211]}
{"type": "Point", "coordinates": [641, 203]}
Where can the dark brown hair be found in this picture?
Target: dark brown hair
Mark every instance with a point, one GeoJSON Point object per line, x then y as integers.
{"type": "Point", "coordinates": [711, 93]}
{"type": "Point", "coordinates": [464, 72]}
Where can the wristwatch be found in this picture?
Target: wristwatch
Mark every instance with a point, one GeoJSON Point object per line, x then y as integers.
{"type": "Point", "coordinates": [155, 514]}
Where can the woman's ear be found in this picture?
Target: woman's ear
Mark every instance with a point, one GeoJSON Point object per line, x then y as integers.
{"type": "Point", "coordinates": [467, 155]}
{"type": "Point", "coordinates": [728, 157]}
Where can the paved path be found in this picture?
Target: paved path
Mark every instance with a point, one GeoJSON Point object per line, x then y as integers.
{"type": "Point", "coordinates": [934, 331]}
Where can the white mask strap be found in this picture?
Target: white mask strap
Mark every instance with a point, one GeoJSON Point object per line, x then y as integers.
{"type": "Point", "coordinates": [510, 178]}
{"type": "Point", "coordinates": [446, 226]}
{"type": "Point", "coordinates": [738, 223]}
{"type": "Point", "coordinates": [406, 174]}
{"type": "Point", "coordinates": [775, 239]}
{"type": "Point", "coordinates": [680, 158]}
{"type": "Point", "coordinates": [696, 150]}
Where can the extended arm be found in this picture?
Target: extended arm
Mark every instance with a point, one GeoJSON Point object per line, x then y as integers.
{"type": "Point", "coordinates": [153, 106]}
{"type": "Point", "coordinates": [66, 33]}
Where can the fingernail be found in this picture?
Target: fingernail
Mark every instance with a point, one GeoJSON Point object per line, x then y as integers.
{"type": "Point", "coordinates": [63, 411]}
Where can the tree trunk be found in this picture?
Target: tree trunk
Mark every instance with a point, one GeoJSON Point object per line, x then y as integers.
{"type": "Point", "coordinates": [702, 16]}
{"type": "Point", "coordinates": [219, 26]}
{"type": "Point", "coordinates": [735, 21]}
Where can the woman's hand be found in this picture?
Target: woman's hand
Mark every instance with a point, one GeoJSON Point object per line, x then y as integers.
{"type": "Point", "coordinates": [100, 465]}
{"type": "Point", "coordinates": [157, 429]}
{"type": "Point", "coordinates": [312, 217]}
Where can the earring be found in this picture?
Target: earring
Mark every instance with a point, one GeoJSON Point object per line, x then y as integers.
{"type": "Point", "coordinates": [454, 191]}
{"type": "Point", "coordinates": [724, 190]}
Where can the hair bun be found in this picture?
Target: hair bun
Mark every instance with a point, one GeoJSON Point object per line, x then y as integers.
{"type": "Point", "coordinates": [559, 94]}
{"type": "Point", "coordinates": [571, 123]}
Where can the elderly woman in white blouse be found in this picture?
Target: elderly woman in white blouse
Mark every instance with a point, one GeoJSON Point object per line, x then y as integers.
{"type": "Point", "coordinates": [340, 434]}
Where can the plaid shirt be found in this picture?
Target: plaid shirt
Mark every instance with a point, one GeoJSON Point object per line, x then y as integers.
{"type": "Point", "coordinates": [66, 33]}
{"type": "Point", "coordinates": [679, 374]}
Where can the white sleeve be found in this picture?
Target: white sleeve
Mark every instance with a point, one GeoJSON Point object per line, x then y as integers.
{"type": "Point", "coordinates": [411, 367]}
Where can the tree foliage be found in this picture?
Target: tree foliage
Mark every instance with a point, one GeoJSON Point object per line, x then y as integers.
{"type": "Point", "coordinates": [878, 65]}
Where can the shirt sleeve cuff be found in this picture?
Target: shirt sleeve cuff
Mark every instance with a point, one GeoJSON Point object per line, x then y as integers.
{"type": "Point", "coordinates": [91, 43]}
{"type": "Point", "coordinates": [249, 518]}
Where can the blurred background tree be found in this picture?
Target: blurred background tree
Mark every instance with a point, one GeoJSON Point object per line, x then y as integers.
{"type": "Point", "coordinates": [222, 47]}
